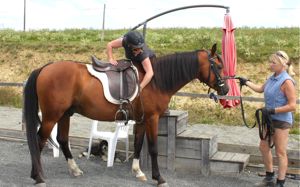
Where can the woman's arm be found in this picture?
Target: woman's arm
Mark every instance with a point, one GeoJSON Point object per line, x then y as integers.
{"type": "Point", "coordinates": [289, 90]}
{"type": "Point", "coordinates": [255, 87]}
{"type": "Point", "coordinates": [109, 49]}
{"type": "Point", "coordinates": [149, 72]}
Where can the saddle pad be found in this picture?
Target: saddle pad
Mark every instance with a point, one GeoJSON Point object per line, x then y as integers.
{"type": "Point", "coordinates": [102, 77]}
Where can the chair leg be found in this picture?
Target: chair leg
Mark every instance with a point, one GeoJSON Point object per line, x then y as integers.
{"type": "Point", "coordinates": [111, 152]}
{"type": "Point", "coordinates": [127, 149]}
{"type": "Point", "coordinates": [55, 152]}
{"type": "Point", "coordinates": [53, 136]}
{"type": "Point", "coordinates": [90, 147]}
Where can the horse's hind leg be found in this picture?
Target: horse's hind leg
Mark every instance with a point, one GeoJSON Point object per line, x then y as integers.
{"type": "Point", "coordinates": [63, 140]}
{"type": "Point", "coordinates": [43, 134]}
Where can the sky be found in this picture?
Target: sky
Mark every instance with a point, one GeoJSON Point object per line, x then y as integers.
{"type": "Point", "coordinates": [120, 14]}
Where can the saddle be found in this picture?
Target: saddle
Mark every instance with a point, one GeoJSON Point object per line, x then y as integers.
{"type": "Point", "coordinates": [122, 79]}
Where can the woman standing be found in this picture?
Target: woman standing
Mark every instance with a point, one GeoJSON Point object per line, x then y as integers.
{"type": "Point", "coordinates": [280, 101]}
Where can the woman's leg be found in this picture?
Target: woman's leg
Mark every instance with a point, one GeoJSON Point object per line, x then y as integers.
{"type": "Point", "coordinates": [281, 140]}
{"type": "Point", "coordinates": [267, 155]}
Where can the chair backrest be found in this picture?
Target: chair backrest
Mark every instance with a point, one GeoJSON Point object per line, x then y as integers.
{"type": "Point", "coordinates": [123, 129]}
{"type": "Point", "coordinates": [94, 126]}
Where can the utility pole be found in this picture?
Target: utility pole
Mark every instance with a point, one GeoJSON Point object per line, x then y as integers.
{"type": "Point", "coordinates": [103, 24]}
{"type": "Point", "coordinates": [24, 23]}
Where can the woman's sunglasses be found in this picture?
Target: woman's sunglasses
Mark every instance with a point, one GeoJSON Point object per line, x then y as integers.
{"type": "Point", "coordinates": [280, 55]}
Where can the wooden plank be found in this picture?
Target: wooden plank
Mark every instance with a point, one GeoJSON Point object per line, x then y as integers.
{"type": "Point", "coordinates": [213, 148]}
{"type": "Point", "coordinates": [218, 167]}
{"type": "Point", "coordinates": [184, 148]}
{"type": "Point", "coordinates": [238, 157]}
{"type": "Point", "coordinates": [205, 162]}
{"type": "Point", "coordinates": [293, 171]}
{"type": "Point", "coordinates": [171, 144]}
{"type": "Point", "coordinates": [228, 156]}
{"type": "Point", "coordinates": [13, 133]}
{"type": "Point", "coordinates": [218, 156]}
{"type": "Point", "coordinates": [192, 134]}
{"type": "Point", "coordinates": [180, 117]}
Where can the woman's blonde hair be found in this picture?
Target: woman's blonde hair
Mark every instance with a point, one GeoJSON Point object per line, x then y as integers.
{"type": "Point", "coordinates": [280, 57]}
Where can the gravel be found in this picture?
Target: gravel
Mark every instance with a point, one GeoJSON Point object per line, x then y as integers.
{"type": "Point", "coordinates": [15, 167]}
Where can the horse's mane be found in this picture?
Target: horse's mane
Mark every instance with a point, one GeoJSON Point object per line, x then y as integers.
{"type": "Point", "coordinates": [175, 69]}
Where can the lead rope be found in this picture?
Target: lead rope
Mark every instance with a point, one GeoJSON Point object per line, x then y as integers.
{"type": "Point", "coordinates": [264, 122]}
{"type": "Point", "coordinates": [243, 111]}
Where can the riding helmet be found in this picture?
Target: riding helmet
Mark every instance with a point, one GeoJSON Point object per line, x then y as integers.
{"type": "Point", "coordinates": [134, 39]}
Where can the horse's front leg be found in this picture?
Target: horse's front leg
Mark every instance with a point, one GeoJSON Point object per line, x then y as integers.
{"type": "Point", "coordinates": [139, 131]}
{"type": "Point", "coordinates": [63, 140]}
{"type": "Point", "coordinates": [152, 132]}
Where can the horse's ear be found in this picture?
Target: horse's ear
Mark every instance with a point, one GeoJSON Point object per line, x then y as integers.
{"type": "Point", "coordinates": [213, 49]}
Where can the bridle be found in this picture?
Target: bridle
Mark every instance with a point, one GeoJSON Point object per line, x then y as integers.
{"type": "Point", "coordinates": [213, 68]}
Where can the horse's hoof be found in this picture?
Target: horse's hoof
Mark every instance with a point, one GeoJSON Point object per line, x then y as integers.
{"type": "Point", "coordinates": [41, 184]}
{"type": "Point", "coordinates": [163, 185]}
{"type": "Point", "coordinates": [142, 178]}
{"type": "Point", "coordinates": [76, 172]}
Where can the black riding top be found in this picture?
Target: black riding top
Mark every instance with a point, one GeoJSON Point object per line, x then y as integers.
{"type": "Point", "coordinates": [146, 52]}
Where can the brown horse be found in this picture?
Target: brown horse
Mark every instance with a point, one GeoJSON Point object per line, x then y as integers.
{"type": "Point", "coordinates": [65, 87]}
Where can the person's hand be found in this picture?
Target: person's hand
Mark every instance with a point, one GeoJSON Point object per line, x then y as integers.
{"type": "Point", "coordinates": [266, 110]}
{"type": "Point", "coordinates": [113, 62]}
{"type": "Point", "coordinates": [243, 80]}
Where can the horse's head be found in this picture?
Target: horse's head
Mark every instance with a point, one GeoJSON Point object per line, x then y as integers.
{"type": "Point", "coordinates": [211, 70]}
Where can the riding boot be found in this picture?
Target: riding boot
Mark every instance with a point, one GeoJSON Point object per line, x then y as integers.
{"type": "Point", "coordinates": [268, 181]}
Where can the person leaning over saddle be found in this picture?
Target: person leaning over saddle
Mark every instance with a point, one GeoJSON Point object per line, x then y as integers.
{"type": "Point", "coordinates": [280, 101]}
{"type": "Point", "coordinates": [136, 50]}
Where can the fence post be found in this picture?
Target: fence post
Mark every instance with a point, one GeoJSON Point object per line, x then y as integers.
{"type": "Point", "coordinates": [23, 111]}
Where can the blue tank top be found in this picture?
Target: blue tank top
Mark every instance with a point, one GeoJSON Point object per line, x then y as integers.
{"type": "Point", "coordinates": [274, 97]}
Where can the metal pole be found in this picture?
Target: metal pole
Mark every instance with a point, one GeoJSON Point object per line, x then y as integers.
{"type": "Point", "coordinates": [103, 24]}
{"type": "Point", "coordinates": [24, 23]}
{"type": "Point", "coordinates": [181, 8]}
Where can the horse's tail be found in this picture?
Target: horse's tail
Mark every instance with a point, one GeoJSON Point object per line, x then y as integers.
{"type": "Point", "coordinates": [32, 120]}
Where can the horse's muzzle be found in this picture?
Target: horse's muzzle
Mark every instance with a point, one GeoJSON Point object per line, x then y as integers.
{"type": "Point", "coordinates": [223, 89]}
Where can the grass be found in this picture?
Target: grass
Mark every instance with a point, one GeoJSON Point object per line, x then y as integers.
{"type": "Point", "coordinates": [21, 52]}
{"type": "Point", "coordinates": [10, 97]}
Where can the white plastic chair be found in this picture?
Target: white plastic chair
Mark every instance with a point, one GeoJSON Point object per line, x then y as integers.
{"type": "Point", "coordinates": [121, 133]}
